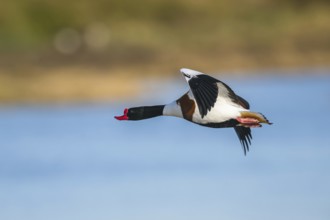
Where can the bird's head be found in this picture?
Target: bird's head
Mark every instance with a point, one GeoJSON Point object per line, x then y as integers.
{"type": "Point", "coordinates": [133, 114]}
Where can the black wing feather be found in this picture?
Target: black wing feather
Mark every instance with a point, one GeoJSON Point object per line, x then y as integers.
{"type": "Point", "coordinates": [243, 102]}
{"type": "Point", "coordinates": [205, 91]}
{"type": "Point", "coordinates": [244, 135]}
{"type": "Point", "coordinates": [208, 93]}
{"type": "Point", "coordinates": [201, 104]}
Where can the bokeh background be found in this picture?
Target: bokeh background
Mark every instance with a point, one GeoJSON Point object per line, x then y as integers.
{"type": "Point", "coordinates": [67, 67]}
{"type": "Point", "coordinates": [98, 50]}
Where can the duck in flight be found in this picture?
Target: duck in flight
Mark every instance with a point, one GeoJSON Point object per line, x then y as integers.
{"type": "Point", "coordinates": [210, 103]}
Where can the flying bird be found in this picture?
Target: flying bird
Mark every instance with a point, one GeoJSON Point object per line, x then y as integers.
{"type": "Point", "coordinates": [210, 103]}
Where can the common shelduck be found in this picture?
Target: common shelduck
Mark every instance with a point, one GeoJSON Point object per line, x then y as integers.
{"type": "Point", "coordinates": [210, 103]}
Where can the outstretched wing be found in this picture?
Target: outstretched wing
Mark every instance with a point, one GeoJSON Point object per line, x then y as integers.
{"type": "Point", "coordinates": [244, 135]}
{"type": "Point", "coordinates": [206, 90]}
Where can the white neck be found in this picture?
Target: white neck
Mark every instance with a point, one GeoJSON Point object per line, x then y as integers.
{"type": "Point", "coordinates": [173, 109]}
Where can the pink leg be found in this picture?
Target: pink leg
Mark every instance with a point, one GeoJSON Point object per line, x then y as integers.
{"type": "Point", "coordinates": [249, 122]}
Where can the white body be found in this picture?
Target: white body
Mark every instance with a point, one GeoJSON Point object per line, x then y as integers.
{"type": "Point", "coordinates": [223, 110]}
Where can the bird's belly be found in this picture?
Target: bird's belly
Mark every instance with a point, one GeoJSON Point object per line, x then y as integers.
{"type": "Point", "coordinates": [218, 114]}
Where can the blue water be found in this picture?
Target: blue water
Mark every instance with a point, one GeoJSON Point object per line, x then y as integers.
{"type": "Point", "coordinates": [77, 162]}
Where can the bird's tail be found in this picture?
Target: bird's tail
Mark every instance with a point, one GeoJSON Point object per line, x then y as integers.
{"type": "Point", "coordinates": [252, 119]}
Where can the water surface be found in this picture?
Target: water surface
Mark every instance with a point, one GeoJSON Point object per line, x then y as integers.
{"type": "Point", "coordinates": [77, 162]}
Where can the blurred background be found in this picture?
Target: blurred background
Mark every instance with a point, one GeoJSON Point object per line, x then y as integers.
{"type": "Point", "coordinates": [54, 50]}
{"type": "Point", "coordinates": [66, 68]}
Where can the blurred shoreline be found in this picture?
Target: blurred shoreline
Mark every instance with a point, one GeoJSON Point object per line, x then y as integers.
{"type": "Point", "coordinates": [64, 51]}
{"type": "Point", "coordinates": [65, 85]}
